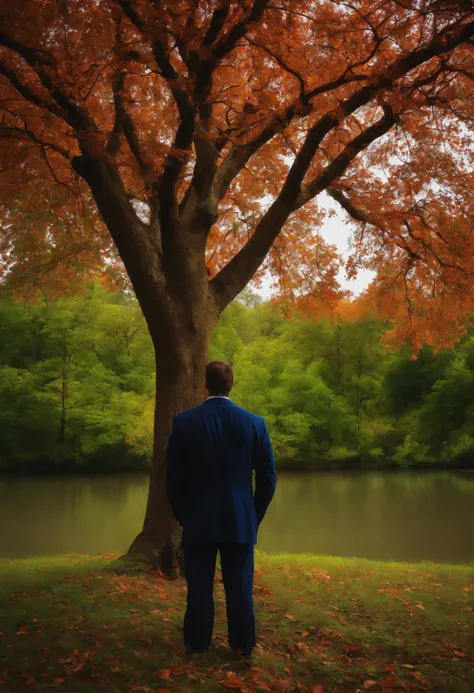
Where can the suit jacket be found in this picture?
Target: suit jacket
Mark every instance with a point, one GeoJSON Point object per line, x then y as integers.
{"type": "Point", "coordinates": [211, 454]}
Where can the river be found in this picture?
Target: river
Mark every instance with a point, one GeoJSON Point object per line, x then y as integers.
{"type": "Point", "coordinates": [399, 515]}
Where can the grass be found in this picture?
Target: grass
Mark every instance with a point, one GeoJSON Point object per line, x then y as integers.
{"type": "Point", "coordinates": [75, 623]}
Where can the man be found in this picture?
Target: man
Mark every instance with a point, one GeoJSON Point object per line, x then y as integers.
{"type": "Point", "coordinates": [212, 451]}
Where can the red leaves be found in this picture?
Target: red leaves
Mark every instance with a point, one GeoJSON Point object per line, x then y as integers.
{"type": "Point", "coordinates": [29, 679]}
{"type": "Point", "coordinates": [24, 630]}
{"type": "Point", "coordinates": [352, 650]}
{"type": "Point", "coordinates": [390, 682]}
{"type": "Point", "coordinates": [76, 660]}
{"type": "Point", "coordinates": [459, 653]}
{"type": "Point", "coordinates": [283, 686]}
{"type": "Point", "coordinates": [163, 674]}
{"type": "Point", "coordinates": [232, 681]}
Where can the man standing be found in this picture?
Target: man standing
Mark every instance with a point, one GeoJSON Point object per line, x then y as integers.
{"type": "Point", "coordinates": [212, 452]}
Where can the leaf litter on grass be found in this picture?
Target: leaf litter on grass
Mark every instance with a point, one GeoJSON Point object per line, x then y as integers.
{"type": "Point", "coordinates": [321, 629]}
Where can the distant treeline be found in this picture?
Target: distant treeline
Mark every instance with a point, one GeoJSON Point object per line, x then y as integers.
{"type": "Point", "coordinates": [77, 387]}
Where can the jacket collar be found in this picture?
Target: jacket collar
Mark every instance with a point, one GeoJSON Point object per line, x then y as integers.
{"type": "Point", "coordinates": [217, 401]}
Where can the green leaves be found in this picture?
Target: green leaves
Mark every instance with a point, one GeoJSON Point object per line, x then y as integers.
{"type": "Point", "coordinates": [84, 374]}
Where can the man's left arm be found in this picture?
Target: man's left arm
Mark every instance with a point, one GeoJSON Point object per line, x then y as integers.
{"type": "Point", "coordinates": [265, 473]}
{"type": "Point", "coordinates": [175, 471]}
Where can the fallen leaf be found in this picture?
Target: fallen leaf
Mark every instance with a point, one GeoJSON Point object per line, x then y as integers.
{"type": "Point", "coordinates": [81, 656]}
{"type": "Point", "coordinates": [316, 689]}
{"type": "Point", "coordinates": [415, 674]}
{"type": "Point", "coordinates": [459, 653]}
{"type": "Point", "coordinates": [232, 681]}
{"type": "Point", "coordinates": [29, 679]}
{"type": "Point", "coordinates": [254, 673]}
{"type": "Point", "coordinates": [58, 681]}
{"type": "Point", "coordinates": [370, 683]}
{"type": "Point", "coordinates": [163, 674]}
{"type": "Point", "coordinates": [283, 686]}
{"type": "Point", "coordinates": [352, 650]}
{"type": "Point", "coordinates": [390, 682]}
{"type": "Point", "coordinates": [408, 666]}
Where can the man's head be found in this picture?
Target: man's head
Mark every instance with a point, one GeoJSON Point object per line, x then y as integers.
{"type": "Point", "coordinates": [219, 378]}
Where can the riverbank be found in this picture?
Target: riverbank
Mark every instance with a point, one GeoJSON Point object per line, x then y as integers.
{"type": "Point", "coordinates": [78, 623]}
{"type": "Point", "coordinates": [143, 465]}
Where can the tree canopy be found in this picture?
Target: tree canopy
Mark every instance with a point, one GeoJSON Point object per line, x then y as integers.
{"type": "Point", "coordinates": [234, 117]}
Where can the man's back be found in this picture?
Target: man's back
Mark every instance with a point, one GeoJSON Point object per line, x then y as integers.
{"type": "Point", "coordinates": [212, 452]}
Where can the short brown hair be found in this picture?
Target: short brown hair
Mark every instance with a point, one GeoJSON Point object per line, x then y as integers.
{"type": "Point", "coordinates": [219, 378]}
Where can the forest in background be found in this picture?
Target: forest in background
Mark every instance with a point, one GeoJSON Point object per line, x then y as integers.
{"type": "Point", "coordinates": [77, 379]}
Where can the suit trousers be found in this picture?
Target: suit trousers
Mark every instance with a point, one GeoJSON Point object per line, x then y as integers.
{"type": "Point", "coordinates": [237, 563]}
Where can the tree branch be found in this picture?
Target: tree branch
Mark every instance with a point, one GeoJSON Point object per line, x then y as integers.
{"type": "Point", "coordinates": [236, 274]}
{"type": "Point", "coordinates": [344, 158]}
{"type": "Point", "coordinates": [124, 123]}
{"type": "Point", "coordinates": [350, 208]}
{"type": "Point", "coordinates": [227, 43]}
{"type": "Point", "coordinates": [165, 188]}
{"type": "Point", "coordinates": [28, 94]}
{"type": "Point", "coordinates": [13, 132]}
{"type": "Point", "coordinates": [76, 116]}
{"type": "Point", "coordinates": [138, 249]}
{"type": "Point", "coordinates": [217, 23]}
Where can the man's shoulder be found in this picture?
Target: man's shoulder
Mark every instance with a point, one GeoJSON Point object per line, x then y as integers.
{"type": "Point", "coordinates": [202, 410]}
{"type": "Point", "coordinates": [188, 413]}
{"type": "Point", "coordinates": [249, 416]}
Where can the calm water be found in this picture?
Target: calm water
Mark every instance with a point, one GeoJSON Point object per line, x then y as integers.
{"type": "Point", "coordinates": [408, 516]}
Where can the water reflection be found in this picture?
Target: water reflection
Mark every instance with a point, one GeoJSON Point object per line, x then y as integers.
{"type": "Point", "coordinates": [386, 515]}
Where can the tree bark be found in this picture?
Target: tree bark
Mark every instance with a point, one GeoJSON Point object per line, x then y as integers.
{"type": "Point", "coordinates": [180, 365]}
{"type": "Point", "coordinates": [167, 268]}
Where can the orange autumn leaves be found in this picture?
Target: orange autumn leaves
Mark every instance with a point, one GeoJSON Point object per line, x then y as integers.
{"type": "Point", "coordinates": [250, 103]}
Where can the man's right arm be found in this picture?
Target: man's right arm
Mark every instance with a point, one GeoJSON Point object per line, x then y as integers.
{"type": "Point", "coordinates": [265, 473]}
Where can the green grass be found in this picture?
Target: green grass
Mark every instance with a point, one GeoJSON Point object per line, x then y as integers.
{"type": "Point", "coordinates": [78, 623]}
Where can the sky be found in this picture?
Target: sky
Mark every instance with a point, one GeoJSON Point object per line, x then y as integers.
{"type": "Point", "coordinates": [336, 231]}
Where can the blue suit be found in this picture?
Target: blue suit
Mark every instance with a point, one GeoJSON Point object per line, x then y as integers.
{"type": "Point", "coordinates": [212, 452]}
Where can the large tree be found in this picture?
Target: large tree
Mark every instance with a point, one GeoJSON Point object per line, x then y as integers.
{"type": "Point", "coordinates": [204, 130]}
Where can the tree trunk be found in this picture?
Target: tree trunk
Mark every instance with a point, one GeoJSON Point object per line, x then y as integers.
{"type": "Point", "coordinates": [180, 365]}
{"type": "Point", "coordinates": [165, 261]}
{"type": "Point", "coordinates": [62, 423]}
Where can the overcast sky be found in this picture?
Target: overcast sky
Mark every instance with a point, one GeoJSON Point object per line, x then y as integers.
{"type": "Point", "coordinates": [336, 232]}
